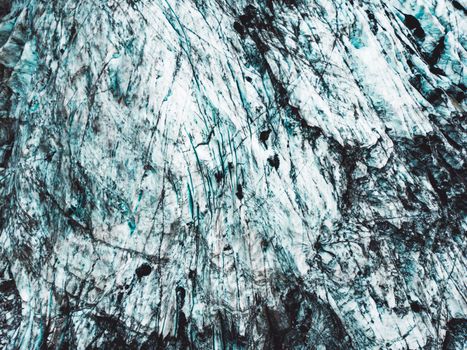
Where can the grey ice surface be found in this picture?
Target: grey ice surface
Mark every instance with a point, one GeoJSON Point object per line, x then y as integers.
{"type": "Point", "coordinates": [229, 174]}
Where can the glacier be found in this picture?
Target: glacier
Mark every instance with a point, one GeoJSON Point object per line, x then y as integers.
{"type": "Point", "coordinates": [220, 174]}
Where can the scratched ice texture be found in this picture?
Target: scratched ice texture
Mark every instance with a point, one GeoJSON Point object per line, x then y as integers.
{"type": "Point", "coordinates": [230, 174]}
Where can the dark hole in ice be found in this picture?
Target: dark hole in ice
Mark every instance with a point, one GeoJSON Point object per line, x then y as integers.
{"type": "Point", "coordinates": [373, 245]}
{"type": "Point", "coordinates": [239, 192]}
{"type": "Point", "coordinates": [435, 97]}
{"type": "Point", "coordinates": [290, 2]}
{"type": "Point", "coordinates": [416, 307]}
{"type": "Point", "coordinates": [181, 330]}
{"type": "Point", "coordinates": [248, 79]}
{"type": "Point", "coordinates": [457, 92]}
{"type": "Point", "coordinates": [317, 245]}
{"type": "Point", "coordinates": [292, 304]}
{"type": "Point", "coordinates": [219, 176]}
{"type": "Point", "coordinates": [73, 31]}
{"type": "Point", "coordinates": [436, 184]}
{"type": "Point", "coordinates": [436, 70]}
{"type": "Point", "coordinates": [416, 82]}
{"type": "Point", "coordinates": [282, 95]}
{"type": "Point", "coordinates": [119, 297]}
{"type": "Point", "coordinates": [296, 112]}
{"type": "Point", "coordinates": [249, 14]}
{"type": "Point", "coordinates": [6, 286]}
{"type": "Point", "coordinates": [456, 334]}
{"type": "Point", "coordinates": [49, 156]}
{"type": "Point", "coordinates": [274, 161]}
{"type": "Point", "coordinates": [264, 135]}
{"type": "Point", "coordinates": [437, 51]}
{"type": "Point", "coordinates": [227, 247]}
{"type": "Point", "coordinates": [239, 28]}
{"type": "Point", "coordinates": [458, 6]}
{"type": "Point", "coordinates": [65, 306]}
{"type": "Point", "coordinates": [456, 322]}
{"type": "Point", "coordinates": [77, 187]}
{"type": "Point", "coordinates": [413, 24]}
{"type": "Point", "coordinates": [419, 33]}
{"type": "Point", "coordinates": [180, 292]}
{"type": "Point", "coordinates": [373, 22]}
{"type": "Point", "coordinates": [143, 270]}
{"type": "Point", "coordinates": [6, 132]}
{"type": "Point", "coordinates": [148, 167]}
{"type": "Point", "coordinates": [417, 239]}
{"type": "Point", "coordinates": [5, 7]}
